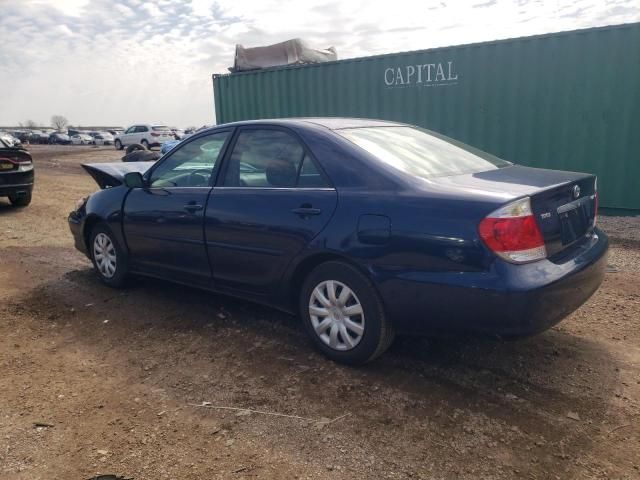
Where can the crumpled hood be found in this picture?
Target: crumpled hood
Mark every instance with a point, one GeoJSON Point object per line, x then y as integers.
{"type": "Point", "coordinates": [109, 175]}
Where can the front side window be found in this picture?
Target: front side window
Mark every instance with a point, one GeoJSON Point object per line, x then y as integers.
{"type": "Point", "coordinates": [131, 129]}
{"type": "Point", "coordinates": [191, 164]}
{"type": "Point", "coordinates": [421, 153]}
{"type": "Point", "coordinates": [264, 158]}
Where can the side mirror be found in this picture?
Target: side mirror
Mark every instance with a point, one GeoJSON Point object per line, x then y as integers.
{"type": "Point", "coordinates": [133, 180]}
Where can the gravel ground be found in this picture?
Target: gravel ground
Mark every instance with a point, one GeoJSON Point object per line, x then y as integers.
{"type": "Point", "coordinates": [96, 380]}
{"type": "Point", "coordinates": [621, 229]}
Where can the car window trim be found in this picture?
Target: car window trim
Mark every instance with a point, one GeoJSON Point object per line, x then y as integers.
{"type": "Point", "coordinates": [280, 189]}
{"type": "Point", "coordinates": [216, 168]}
{"type": "Point", "coordinates": [306, 151]}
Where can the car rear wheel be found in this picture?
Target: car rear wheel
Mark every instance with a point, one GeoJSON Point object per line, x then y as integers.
{"type": "Point", "coordinates": [343, 314]}
{"type": "Point", "coordinates": [20, 201]}
{"type": "Point", "coordinates": [118, 145]}
{"type": "Point", "coordinates": [145, 144]}
{"type": "Point", "coordinates": [108, 257]}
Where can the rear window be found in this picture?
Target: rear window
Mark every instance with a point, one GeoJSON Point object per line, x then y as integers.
{"type": "Point", "coordinates": [421, 153]}
{"type": "Point", "coordinates": [160, 128]}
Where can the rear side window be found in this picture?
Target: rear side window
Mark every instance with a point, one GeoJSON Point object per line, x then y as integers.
{"type": "Point", "coordinates": [310, 176]}
{"type": "Point", "coordinates": [264, 158]}
{"type": "Point", "coordinates": [421, 153]}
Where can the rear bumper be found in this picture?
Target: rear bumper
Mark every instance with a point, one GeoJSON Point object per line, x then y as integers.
{"type": "Point", "coordinates": [506, 300]}
{"type": "Point", "coordinates": [16, 183]}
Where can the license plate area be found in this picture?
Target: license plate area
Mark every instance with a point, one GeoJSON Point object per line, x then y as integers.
{"type": "Point", "coordinates": [574, 221]}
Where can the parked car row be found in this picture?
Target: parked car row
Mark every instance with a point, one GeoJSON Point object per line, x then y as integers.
{"type": "Point", "coordinates": [72, 136]}
{"type": "Point", "coordinates": [147, 135]}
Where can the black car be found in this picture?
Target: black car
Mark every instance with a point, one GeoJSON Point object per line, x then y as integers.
{"type": "Point", "coordinates": [365, 228]}
{"type": "Point", "coordinates": [59, 139]}
{"type": "Point", "coordinates": [16, 174]}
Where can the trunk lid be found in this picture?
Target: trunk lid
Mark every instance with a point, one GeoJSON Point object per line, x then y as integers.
{"type": "Point", "coordinates": [109, 175]}
{"type": "Point", "coordinates": [564, 203]}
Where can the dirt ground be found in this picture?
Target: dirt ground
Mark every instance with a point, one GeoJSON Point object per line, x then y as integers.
{"type": "Point", "coordinates": [95, 380]}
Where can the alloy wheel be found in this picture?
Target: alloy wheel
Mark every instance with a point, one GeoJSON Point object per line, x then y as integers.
{"type": "Point", "coordinates": [336, 315]}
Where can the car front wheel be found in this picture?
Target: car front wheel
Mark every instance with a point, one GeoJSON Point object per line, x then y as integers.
{"type": "Point", "coordinates": [118, 145]}
{"type": "Point", "coordinates": [109, 259]}
{"type": "Point", "coordinates": [343, 314]}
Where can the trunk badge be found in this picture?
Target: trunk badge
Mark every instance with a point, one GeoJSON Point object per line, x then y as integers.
{"type": "Point", "coordinates": [545, 215]}
{"type": "Point", "coordinates": [576, 191]}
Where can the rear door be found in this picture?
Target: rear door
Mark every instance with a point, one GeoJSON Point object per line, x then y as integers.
{"type": "Point", "coordinates": [141, 134]}
{"type": "Point", "coordinates": [163, 222]}
{"type": "Point", "coordinates": [269, 202]}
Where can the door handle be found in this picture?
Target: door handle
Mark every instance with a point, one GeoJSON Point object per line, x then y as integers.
{"type": "Point", "coordinates": [193, 207]}
{"type": "Point", "coordinates": [305, 211]}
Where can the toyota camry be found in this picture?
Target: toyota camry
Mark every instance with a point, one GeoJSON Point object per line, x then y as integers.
{"type": "Point", "coordinates": [364, 228]}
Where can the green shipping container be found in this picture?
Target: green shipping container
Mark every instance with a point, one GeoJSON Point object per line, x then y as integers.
{"type": "Point", "coordinates": [568, 100]}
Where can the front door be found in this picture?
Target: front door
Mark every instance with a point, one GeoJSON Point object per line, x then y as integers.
{"type": "Point", "coordinates": [271, 201]}
{"type": "Point", "coordinates": [163, 222]}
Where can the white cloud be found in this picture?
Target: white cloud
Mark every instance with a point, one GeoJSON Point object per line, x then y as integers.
{"type": "Point", "coordinates": [65, 30]}
{"type": "Point", "coordinates": [152, 9]}
{"type": "Point", "coordinates": [72, 8]}
{"type": "Point", "coordinates": [124, 10]}
{"type": "Point", "coordinates": [124, 61]}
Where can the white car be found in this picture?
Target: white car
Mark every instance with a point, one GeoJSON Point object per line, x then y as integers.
{"type": "Point", "coordinates": [102, 138]}
{"type": "Point", "coordinates": [144, 134]}
{"type": "Point", "coordinates": [9, 139]}
{"type": "Point", "coordinates": [81, 139]}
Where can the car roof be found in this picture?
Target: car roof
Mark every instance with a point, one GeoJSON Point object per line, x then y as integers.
{"type": "Point", "coordinates": [332, 123]}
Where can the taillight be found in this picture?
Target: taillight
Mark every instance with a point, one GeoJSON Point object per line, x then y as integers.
{"type": "Point", "coordinates": [155, 134]}
{"type": "Point", "coordinates": [512, 233]}
{"type": "Point", "coordinates": [18, 159]}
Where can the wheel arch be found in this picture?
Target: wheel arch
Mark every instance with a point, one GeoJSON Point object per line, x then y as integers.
{"type": "Point", "coordinates": [90, 222]}
{"type": "Point", "coordinates": [305, 266]}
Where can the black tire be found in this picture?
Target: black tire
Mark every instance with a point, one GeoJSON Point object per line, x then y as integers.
{"type": "Point", "coordinates": [118, 145]}
{"type": "Point", "coordinates": [119, 277]}
{"type": "Point", "coordinates": [141, 156]}
{"type": "Point", "coordinates": [145, 144]}
{"type": "Point", "coordinates": [378, 331]}
{"type": "Point", "coordinates": [134, 147]}
{"type": "Point", "coordinates": [20, 201]}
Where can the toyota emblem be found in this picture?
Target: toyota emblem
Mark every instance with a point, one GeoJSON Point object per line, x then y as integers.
{"type": "Point", "coordinates": [576, 191]}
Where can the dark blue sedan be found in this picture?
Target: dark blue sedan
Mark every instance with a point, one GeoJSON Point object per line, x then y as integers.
{"type": "Point", "coordinates": [365, 228]}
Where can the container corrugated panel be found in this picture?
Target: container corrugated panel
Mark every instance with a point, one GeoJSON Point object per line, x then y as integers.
{"type": "Point", "coordinates": [568, 100]}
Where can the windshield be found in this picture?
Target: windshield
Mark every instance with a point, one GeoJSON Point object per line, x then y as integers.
{"type": "Point", "coordinates": [421, 153]}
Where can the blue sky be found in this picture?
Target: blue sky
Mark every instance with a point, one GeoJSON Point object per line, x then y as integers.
{"type": "Point", "coordinates": [117, 62]}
